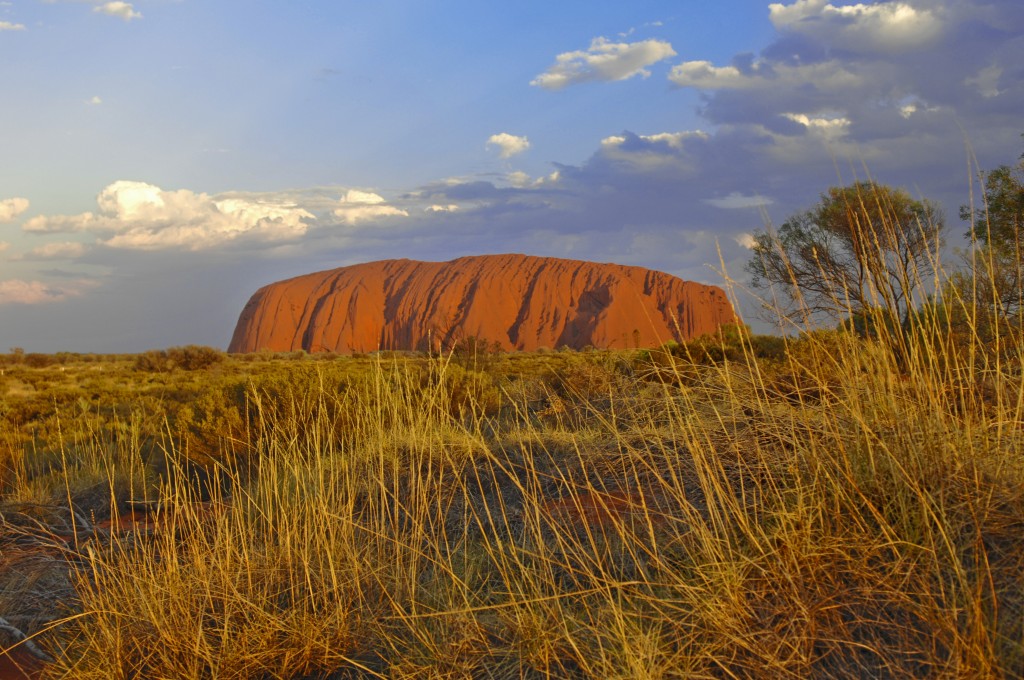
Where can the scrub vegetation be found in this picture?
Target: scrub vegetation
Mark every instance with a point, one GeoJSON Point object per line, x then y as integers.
{"type": "Point", "coordinates": [833, 503]}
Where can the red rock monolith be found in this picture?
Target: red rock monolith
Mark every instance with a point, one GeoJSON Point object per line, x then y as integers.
{"type": "Point", "coordinates": [518, 301]}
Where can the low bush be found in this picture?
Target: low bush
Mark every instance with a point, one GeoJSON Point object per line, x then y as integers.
{"type": "Point", "coordinates": [187, 358]}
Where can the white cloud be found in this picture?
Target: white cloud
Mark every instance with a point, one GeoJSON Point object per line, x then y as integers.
{"type": "Point", "coordinates": [361, 206]}
{"type": "Point", "coordinates": [706, 76]}
{"type": "Point", "coordinates": [19, 292]}
{"type": "Point", "coordinates": [451, 207]}
{"type": "Point", "coordinates": [881, 72]}
{"type": "Point", "coordinates": [357, 196]}
{"type": "Point", "coordinates": [885, 26]}
{"type": "Point", "coordinates": [650, 152]}
{"type": "Point", "coordinates": [737, 200]}
{"type": "Point", "coordinates": [745, 240]}
{"type": "Point", "coordinates": [829, 76]}
{"type": "Point", "coordinates": [522, 180]}
{"type": "Point", "coordinates": [95, 101]}
{"type": "Point", "coordinates": [827, 127]}
{"type": "Point", "coordinates": [672, 140]}
{"type": "Point", "coordinates": [519, 179]}
{"type": "Point", "coordinates": [552, 178]}
{"type": "Point", "coordinates": [604, 61]}
{"type": "Point", "coordinates": [136, 215]}
{"type": "Point", "coordinates": [55, 251]}
{"type": "Point", "coordinates": [508, 145]}
{"type": "Point", "coordinates": [116, 8]}
{"type": "Point", "coordinates": [11, 208]}
{"type": "Point", "coordinates": [4, 245]}
{"type": "Point", "coordinates": [8, 26]}
{"type": "Point", "coordinates": [911, 105]}
{"type": "Point", "coordinates": [986, 81]}
{"type": "Point", "coordinates": [55, 224]}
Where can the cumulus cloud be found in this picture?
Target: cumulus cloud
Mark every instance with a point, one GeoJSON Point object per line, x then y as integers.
{"type": "Point", "coordinates": [869, 73]}
{"type": "Point", "coordinates": [364, 206]}
{"type": "Point", "coordinates": [136, 215]}
{"type": "Point", "coordinates": [881, 26]}
{"type": "Point", "coordinates": [435, 208]}
{"type": "Point", "coordinates": [604, 61]}
{"type": "Point", "coordinates": [827, 127]}
{"type": "Point", "coordinates": [117, 8]}
{"type": "Point", "coordinates": [645, 153]}
{"type": "Point", "coordinates": [519, 179]}
{"type": "Point", "coordinates": [20, 292]}
{"type": "Point", "coordinates": [11, 208]}
{"type": "Point", "coordinates": [508, 145]}
{"type": "Point", "coordinates": [986, 81]}
{"type": "Point", "coordinates": [65, 250]}
{"type": "Point", "coordinates": [829, 76]}
{"type": "Point", "coordinates": [8, 26]}
{"type": "Point", "coordinates": [56, 224]}
{"type": "Point", "coordinates": [672, 140]}
{"type": "Point", "coordinates": [745, 240]}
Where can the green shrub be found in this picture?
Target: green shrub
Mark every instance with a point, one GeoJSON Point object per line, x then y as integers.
{"type": "Point", "coordinates": [194, 357]}
{"type": "Point", "coordinates": [187, 358]}
{"type": "Point", "coordinates": [36, 360]}
{"type": "Point", "coordinates": [476, 353]}
{"type": "Point", "coordinates": [153, 361]}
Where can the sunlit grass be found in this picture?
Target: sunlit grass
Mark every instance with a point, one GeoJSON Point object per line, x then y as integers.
{"type": "Point", "coordinates": [824, 506]}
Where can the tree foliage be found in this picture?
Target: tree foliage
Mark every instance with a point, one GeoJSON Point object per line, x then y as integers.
{"type": "Point", "coordinates": [1001, 216]}
{"type": "Point", "coordinates": [861, 247]}
{"type": "Point", "coordinates": [994, 280]}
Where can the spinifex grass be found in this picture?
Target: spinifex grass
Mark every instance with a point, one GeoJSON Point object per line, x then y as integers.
{"type": "Point", "coordinates": [724, 524]}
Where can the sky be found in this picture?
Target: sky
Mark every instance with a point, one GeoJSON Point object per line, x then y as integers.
{"type": "Point", "coordinates": [160, 160]}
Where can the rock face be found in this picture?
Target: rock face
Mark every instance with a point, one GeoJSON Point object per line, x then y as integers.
{"type": "Point", "coordinates": [519, 301]}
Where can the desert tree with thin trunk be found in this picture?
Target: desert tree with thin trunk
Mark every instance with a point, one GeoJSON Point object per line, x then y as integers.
{"type": "Point", "coordinates": [861, 248]}
{"type": "Point", "coordinates": [994, 278]}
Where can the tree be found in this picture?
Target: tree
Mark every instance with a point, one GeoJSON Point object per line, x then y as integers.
{"type": "Point", "coordinates": [863, 247]}
{"type": "Point", "coordinates": [995, 276]}
{"type": "Point", "coordinates": [1000, 218]}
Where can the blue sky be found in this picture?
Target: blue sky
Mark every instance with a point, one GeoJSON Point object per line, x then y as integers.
{"type": "Point", "coordinates": [161, 159]}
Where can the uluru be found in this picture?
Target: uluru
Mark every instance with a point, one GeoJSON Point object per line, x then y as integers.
{"type": "Point", "coordinates": [520, 302]}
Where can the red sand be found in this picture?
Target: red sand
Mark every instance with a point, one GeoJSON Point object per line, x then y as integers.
{"type": "Point", "coordinates": [600, 509]}
{"type": "Point", "coordinates": [19, 665]}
